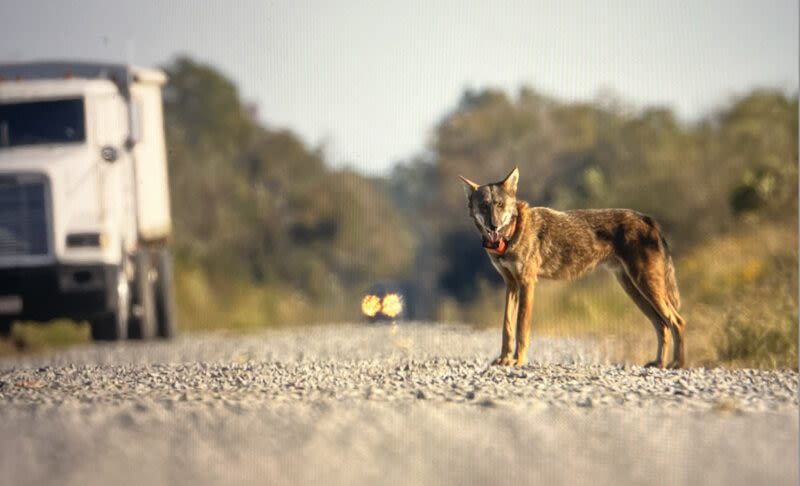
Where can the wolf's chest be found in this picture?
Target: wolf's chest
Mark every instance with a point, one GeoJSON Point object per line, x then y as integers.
{"type": "Point", "coordinates": [504, 264]}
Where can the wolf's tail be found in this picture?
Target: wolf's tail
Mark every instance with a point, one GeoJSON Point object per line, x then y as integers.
{"type": "Point", "coordinates": [669, 273]}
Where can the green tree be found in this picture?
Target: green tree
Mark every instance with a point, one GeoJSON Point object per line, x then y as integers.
{"type": "Point", "coordinates": [255, 207]}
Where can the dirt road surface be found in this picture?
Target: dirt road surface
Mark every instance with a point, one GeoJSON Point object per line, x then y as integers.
{"type": "Point", "coordinates": [410, 404]}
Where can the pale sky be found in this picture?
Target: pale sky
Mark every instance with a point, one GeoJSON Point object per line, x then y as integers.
{"type": "Point", "coordinates": [370, 79]}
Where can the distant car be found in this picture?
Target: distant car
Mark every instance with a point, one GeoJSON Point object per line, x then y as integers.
{"type": "Point", "coordinates": [383, 302]}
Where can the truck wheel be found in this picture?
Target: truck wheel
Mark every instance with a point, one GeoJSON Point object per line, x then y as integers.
{"type": "Point", "coordinates": [143, 321]}
{"type": "Point", "coordinates": [114, 325]}
{"type": "Point", "coordinates": [5, 327]}
{"type": "Point", "coordinates": [165, 295]}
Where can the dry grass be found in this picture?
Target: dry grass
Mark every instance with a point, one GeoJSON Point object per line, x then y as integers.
{"type": "Point", "coordinates": [205, 304]}
{"type": "Point", "coordinates": [27, 337]}
{"type": "Point", "coordinates": [739, 297]}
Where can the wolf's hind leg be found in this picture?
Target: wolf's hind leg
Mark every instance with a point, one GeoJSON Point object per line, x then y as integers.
{"type": "Point", "coordinates": [678, 349]}
{"type": "Point", "coordinates": [649, 278]}
{"type": "Point", "coordinates": [648, 310]}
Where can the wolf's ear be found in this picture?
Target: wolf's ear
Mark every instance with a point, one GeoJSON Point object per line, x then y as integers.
{"type": "Point", "coordinates": [469, 187]}
{"type": "Point", "coordinates": [510, 182]}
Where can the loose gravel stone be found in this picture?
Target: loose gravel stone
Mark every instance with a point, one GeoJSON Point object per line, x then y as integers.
{"type": "Point", "coordinates": [356, 363]}
{"type": "Point", "coordinates": [335, 381]}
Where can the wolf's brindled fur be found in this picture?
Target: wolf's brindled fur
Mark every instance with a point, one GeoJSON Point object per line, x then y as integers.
{"type": "Point", "coordinates": [545, 243]}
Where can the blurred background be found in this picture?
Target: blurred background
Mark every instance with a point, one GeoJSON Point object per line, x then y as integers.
{"type": "Point", "coordinates": [314, 150]}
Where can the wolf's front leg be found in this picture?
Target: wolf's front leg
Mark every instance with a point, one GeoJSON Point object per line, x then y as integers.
{"type": "Point", "coordinates": [506, 357]}
{"type": "Point", "coordinates": [524, 323]}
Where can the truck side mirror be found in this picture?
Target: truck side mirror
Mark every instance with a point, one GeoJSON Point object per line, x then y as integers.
{"type": "Point", "coordinates": [109, 153]}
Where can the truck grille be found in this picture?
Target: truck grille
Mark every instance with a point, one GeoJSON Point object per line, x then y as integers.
{"type": "Point", "coordinates": [23, 216]}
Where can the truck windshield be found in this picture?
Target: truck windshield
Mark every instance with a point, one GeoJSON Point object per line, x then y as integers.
{"type": "Point", "coordinates": [41, 122]}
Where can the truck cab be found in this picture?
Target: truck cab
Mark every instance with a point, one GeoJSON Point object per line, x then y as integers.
{"type": "Point", "coordinates": [84, 198]}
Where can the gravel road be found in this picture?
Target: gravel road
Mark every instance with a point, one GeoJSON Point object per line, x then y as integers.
{"type": "Point", "coordinates": [409, 404]}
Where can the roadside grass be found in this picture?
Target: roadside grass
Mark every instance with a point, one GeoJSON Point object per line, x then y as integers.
{"type": "Point", "coordinates": [739, 295]}
{"type": "Point", "coordinates": [739, 299]}
{"type": "Point", "coordinates": [204, 304]}
{"type": "Point", "coordinates": [229, 305]}
{"type": "Point", "coordinates": [28, 337]}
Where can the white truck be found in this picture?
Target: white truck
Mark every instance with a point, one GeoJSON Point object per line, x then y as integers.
{"type": "Point", "coordinates": [84, 199]}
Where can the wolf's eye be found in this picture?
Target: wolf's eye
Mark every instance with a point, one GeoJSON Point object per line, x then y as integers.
{"type": "Point", "coordinates": [500, 204]}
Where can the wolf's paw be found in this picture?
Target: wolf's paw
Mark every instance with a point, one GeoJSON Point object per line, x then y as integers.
{"type": "Point", "coordinates": [654, 364]}
{"type": "Point", "coordinates": [519, 362]}
{"type": "Point", "coordinates": [675, 365]}
{"type": "Point", "coordinates": [504, 361]}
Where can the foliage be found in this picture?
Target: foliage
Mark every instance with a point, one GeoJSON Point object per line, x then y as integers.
{"type": "Point", "coordinates": [718, 186]}
{"type": "Point", "coordinates": [257, 211]}
{"type": "Point", "coordinates": [267, 234]}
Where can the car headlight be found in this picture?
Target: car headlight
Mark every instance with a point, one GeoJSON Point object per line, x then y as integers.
{"type": "Point", "coordinates": [392, 305]}
{"type": "Point", "coordinates": [370, 305]}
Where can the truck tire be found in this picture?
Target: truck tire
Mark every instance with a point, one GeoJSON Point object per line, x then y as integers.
{"type": "Point", "coordinates": [165, 296]}
{"type": "Point", "coordinates": [143, 320]}
{"type": "Point", "coordinates": [113, 326]}
{"type": "Point", "coordinates": [5, 327]}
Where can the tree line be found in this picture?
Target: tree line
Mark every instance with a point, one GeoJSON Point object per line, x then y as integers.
{"type": "Point", "coordinates": [256, 208]}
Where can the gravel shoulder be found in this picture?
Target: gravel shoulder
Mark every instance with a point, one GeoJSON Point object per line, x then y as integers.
{"type": "Point", "coordinates": [412, 404]}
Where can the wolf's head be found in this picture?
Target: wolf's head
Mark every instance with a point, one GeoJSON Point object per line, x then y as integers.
{"type": "Point", "coordinates": [493, 206]}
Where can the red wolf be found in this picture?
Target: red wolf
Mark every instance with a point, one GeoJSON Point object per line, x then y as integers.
{"type": "Point", "coordinates": [527, 243]}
